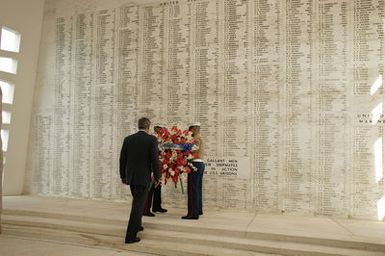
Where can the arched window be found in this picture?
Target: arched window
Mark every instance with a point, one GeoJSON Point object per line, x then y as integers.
{"type": "Point", "coordinates": [9, 49]}
{"type": "Point", "coordinates": [8, 65]}
{"type": "Point", "coordinates": [8, 90]}
{"type": "Point", "coordinates": [10, 40]}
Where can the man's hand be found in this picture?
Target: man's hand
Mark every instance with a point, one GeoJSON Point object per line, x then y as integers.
{"type": "Point", "coordinates": [157, 183]}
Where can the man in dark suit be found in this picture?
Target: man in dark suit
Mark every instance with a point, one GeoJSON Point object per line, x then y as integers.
{"type": "Point", "coordinates": [138, 158]}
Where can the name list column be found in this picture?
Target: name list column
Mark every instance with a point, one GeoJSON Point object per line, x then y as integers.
{"type": "Point", "coordinates": [268, 73]}
{"type": "Point", "coordinates": [151, 66]}
{"type": "Point", "coordinates": [103, 106]}
{"type": "Point", "coordinates": [236, 110]}
{"type": "Point", "coordinates": [178, 60]}
{"type": "Point", "coordinates": [62, 114]}
{"type": "Point", "coordinates": [297, 167]}
{"type": "Point", "coordinates": [83, 77]}
{"type": "Point", "coordinates": [235, 100]}
{"type": "Point", "coordinates": [333, 150]}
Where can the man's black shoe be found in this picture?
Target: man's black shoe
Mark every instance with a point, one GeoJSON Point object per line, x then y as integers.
{"type": "Point", "coordinates": [149, 214]}
{"type": "Point", "coordinates": [160, 210]}
{"type": "Point", "coordinates": [130, 241]}
{"type": "Point", "coordinates": [190, 217]}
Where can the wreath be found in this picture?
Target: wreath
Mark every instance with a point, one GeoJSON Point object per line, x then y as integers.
{"type": "Point", "coordinates": [177, 149]}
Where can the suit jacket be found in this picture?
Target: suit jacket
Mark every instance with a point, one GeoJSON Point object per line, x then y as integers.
{"type": "Point", "coordinates": [138, 157]}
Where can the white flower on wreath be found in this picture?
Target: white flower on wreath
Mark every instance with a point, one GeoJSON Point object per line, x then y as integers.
{"type": "Point", "coordinates": [171, 171]}
{"type": "Point", "coordinates": [165, 166]}
{"type": "Point", "coordinates": [173, 156]}
{"type": "Point", "coordinates": [195, 147]}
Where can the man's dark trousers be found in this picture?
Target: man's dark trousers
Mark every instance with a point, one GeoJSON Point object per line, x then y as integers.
{"type": "Point", "coordinates": [139, 194]}
{"type": "Point", "coordinates": [153, 199]}
{"type": "Point", "coordinates": [156, 204]}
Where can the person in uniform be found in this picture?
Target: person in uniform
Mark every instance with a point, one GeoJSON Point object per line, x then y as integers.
{"type": "Point", "coordinates": [139, 157]}
{"type": "Point", "coordinates": [195, 177]}
{"type": "Point", "coordinates": [154, 199]}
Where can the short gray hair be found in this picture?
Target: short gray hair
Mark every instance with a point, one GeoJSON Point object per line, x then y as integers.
{"type": "Point", "coordinates": [144, 123]}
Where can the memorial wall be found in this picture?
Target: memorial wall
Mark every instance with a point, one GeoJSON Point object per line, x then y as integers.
{"type": "Point", "coordinates": [289, 94]}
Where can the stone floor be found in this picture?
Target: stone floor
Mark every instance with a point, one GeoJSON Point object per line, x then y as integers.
{"type": "Point", "coordinates": [110, 218]}
{"type": "Point", "coordinates": [18, 246]}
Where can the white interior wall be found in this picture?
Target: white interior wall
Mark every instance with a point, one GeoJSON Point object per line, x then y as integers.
{"type": "Point", "coordinates": [24, 16]}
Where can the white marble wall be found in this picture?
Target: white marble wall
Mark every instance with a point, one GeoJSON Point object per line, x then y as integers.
{"type": "Point", "coordinates": [285, 92]}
